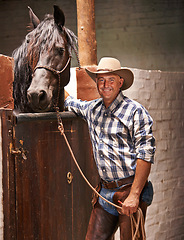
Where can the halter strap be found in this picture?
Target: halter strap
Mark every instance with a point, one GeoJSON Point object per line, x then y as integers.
{"type": "Point", "coordinates": [52, 69]}
{"type": "Point", "coordinates": [57, 73]}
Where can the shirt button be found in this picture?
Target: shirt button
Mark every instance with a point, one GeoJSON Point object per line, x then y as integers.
{"type": "Point", "coordinates": [104, 170]}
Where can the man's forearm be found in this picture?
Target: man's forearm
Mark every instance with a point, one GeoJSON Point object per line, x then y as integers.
{"type": "Point", "coordinates": [131, 203]}
{"type": "Point", "coordinates": [141, 175]}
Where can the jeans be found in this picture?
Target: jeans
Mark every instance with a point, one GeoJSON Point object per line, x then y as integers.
{"type": "Point", "coordinates": [146, 196]}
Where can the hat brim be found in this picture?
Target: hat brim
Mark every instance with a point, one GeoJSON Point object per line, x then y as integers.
{"type": "Point", "coordinates": [125, 73]}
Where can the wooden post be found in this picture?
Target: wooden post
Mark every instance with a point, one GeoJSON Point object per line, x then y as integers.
{"type": "Point", "coordinates": [86, 32]}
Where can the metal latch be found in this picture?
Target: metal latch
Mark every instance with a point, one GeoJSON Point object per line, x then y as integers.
{"type": "Point", "coordinates": [18, 151]}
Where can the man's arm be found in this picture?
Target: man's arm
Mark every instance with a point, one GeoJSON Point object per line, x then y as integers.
{"type": "Point", "coordinates": [131, 203]}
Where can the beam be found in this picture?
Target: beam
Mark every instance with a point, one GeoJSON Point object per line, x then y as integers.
{"type": "Point", "coordinates": [86, 32]}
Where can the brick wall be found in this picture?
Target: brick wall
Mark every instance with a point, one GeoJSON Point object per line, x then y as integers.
{"type": "Point", "coordinates": [162, 93]}
{"type": "Point", "coordinates": [142, 34]}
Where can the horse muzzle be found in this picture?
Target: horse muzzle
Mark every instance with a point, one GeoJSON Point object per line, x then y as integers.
{"type": "Point", "coordinates": [39, 100]}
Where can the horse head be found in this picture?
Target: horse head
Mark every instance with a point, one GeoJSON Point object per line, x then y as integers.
{"type": "Point", "coordinates": [47, 54]}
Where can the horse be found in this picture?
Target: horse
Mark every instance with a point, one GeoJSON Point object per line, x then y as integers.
{"type": "Point", "coordinates": [42, 64]}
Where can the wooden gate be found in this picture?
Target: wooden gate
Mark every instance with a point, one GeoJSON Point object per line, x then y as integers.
{"type": "Point", "coordinates": [44, 195]}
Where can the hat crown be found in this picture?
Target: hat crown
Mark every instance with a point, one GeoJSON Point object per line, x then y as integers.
{"type": "Point", "coordinates": [109, 64]}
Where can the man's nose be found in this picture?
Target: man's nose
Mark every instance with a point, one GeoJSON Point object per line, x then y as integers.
{"type": "Point", "coordinates": [106, 83]}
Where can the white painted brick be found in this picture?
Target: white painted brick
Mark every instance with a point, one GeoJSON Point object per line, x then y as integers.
{"type": "Point", "coordinates": [166, 115]}
{"type": "Point", "coordinates": [160, 85]}
{"type": "Point", "coordinates": [161, 235]}
{"type": "Point", "coordinates": [177, 104]}
{"type": "Point", "coordinates": [145, 95]}
{"type": "Point", "coordinates": [157, 116]}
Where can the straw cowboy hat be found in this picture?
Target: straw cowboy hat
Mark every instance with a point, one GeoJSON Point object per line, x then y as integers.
{"type": "Point", "coordinates": [112, 65]}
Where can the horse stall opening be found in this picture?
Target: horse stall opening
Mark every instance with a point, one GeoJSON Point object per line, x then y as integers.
{"type": "Point", "coordinates": [50, 199]}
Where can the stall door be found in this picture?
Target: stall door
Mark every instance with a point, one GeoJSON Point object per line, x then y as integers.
{"type": "Point", "coordinates": [52, 200]}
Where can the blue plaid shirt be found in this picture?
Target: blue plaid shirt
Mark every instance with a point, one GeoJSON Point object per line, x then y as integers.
{"type": "Point", "coordinates": [120, 134]}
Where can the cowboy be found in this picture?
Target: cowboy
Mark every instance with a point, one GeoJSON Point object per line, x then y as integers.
{"type": "Point", "coordinates": [123, 148]}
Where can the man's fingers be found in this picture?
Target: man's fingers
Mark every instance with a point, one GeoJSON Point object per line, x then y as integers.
{"type": "Point", "coordinates": [127, 210]}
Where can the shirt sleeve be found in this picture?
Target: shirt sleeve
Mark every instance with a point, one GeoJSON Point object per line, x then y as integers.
{"type": "Point", "coordinates": [144, 140]}
{"type": "Point", "coordinates": [77, 106]}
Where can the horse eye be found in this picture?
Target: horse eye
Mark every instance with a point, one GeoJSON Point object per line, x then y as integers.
{"type": "Point", "coordinates": [61, 50]}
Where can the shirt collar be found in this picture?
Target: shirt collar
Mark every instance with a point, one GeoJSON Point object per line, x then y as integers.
{"type": "Point", "coordinates": [118, 100]}
{"type": "Point", "coordinates": [114, 105]}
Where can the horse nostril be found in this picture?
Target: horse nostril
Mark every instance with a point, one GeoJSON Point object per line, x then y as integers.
{"type": "Point", "coordinates": [42, 96]}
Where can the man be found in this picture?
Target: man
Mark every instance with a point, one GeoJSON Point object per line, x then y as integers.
{"type": "Point", "coordinates": [123, 147]}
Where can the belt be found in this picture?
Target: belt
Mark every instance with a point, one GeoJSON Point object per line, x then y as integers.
{"type": "Point", "coordinates": [117, 183]}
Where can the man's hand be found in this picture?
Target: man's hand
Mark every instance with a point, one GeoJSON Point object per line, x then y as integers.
{"type": "Point", "coordinates": [130, 205]}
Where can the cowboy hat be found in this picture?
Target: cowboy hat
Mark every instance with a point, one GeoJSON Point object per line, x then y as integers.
{"type": "Point", "coordinates": [112, 65]}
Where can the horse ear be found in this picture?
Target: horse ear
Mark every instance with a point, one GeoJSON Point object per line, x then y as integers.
{"type": "Point", "coordinates": [59, 17]}
{"type": "Point", "coordinates": [34, 19]}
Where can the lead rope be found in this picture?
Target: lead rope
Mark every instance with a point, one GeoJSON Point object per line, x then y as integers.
{"type": "Point", "coordinates": [137, 224]}
{"type": "Point", "coordinates": [134, 224]}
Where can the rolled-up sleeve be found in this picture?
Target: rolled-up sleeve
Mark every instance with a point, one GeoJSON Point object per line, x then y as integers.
{"type": "Point", "coordinates": [81, 108]}
{"type": "Point", "coordinates": [144, 140]}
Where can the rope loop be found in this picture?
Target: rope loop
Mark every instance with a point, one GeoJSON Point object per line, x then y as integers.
{"type": "Point", "coordinates": [137, 225]}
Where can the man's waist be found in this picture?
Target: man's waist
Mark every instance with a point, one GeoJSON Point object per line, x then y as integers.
{"type": "Point", "coordinates": [117, 183]}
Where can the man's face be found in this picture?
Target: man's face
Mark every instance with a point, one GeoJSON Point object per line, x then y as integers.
{"type": "Point", "coordinates": [108, 85]}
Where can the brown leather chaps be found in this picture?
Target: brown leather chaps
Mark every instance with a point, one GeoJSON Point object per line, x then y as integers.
{"type": "Point", "coordinates": [103, 225]}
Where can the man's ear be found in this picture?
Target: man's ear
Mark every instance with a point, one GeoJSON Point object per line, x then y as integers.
{"type": "Point", "coordinates": [121, 82]}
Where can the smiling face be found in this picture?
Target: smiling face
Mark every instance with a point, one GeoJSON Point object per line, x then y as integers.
{"type": "Point", "coordinates": [109, 85]}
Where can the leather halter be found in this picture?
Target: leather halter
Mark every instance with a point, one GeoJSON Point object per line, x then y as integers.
{"type": "Point", "coordinates": [54, 71]}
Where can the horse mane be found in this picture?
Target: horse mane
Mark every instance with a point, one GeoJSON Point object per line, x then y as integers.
{"type": "Point", "coordinates": [26, 56]}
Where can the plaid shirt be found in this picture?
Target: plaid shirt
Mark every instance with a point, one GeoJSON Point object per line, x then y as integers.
{"type": "Point", "coordinates": [120, 134]}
